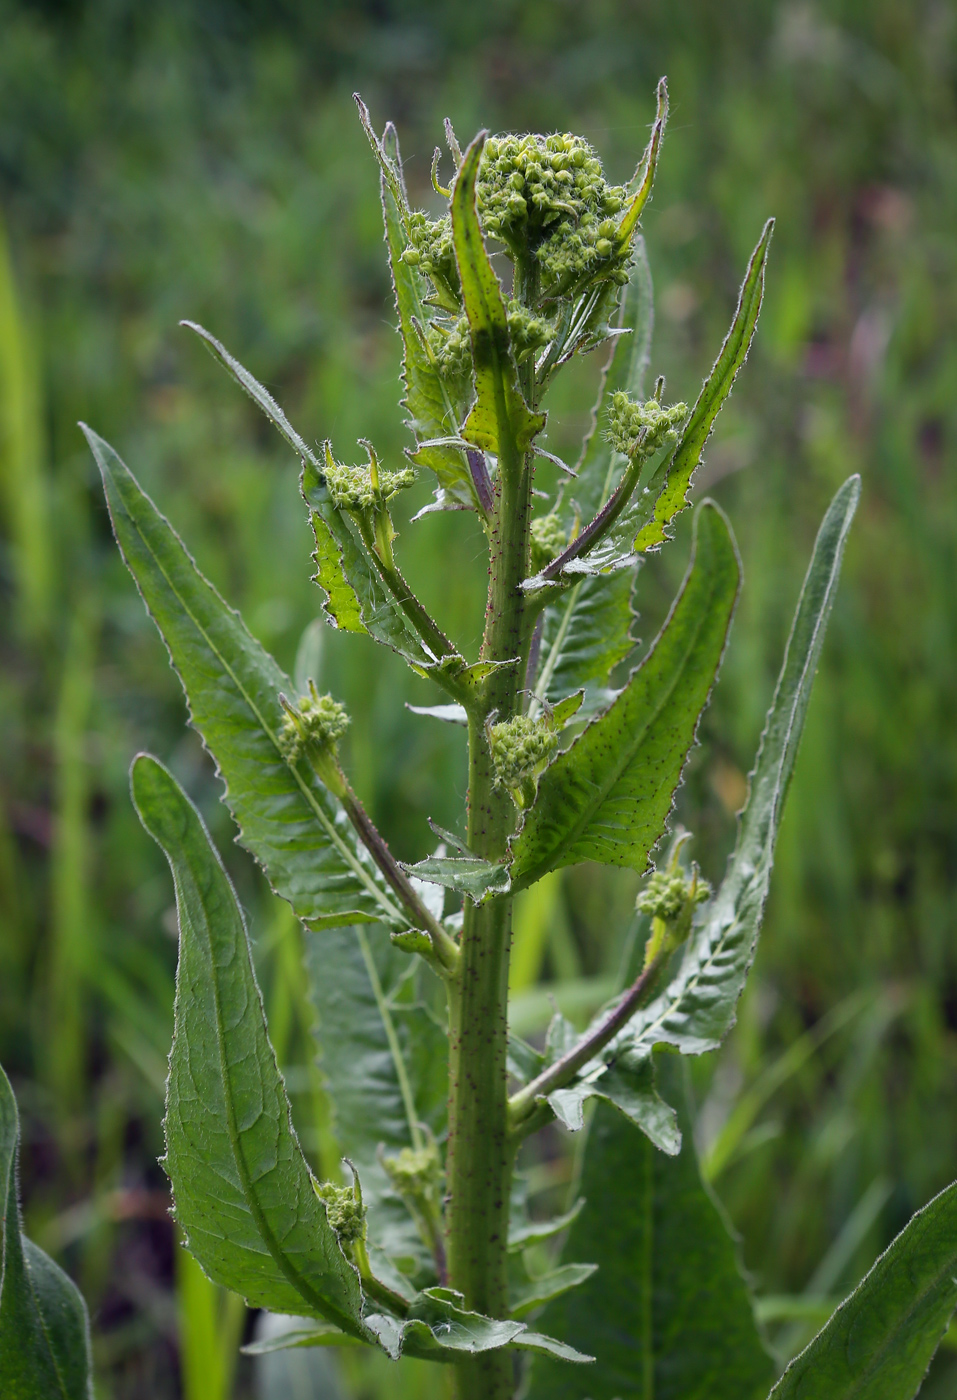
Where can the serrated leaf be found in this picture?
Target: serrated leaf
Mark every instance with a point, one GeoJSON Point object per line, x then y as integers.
{"type": "Point", "coordinates": [667, 1314]}
{"type": "Point", "coordinates": [586, 635]}
{"type": "Point", "coordinates": [697, 1007]}
{"type": "Point", "coordinates": [468, 874]}
{"type": "Point", "coordinates": [880, 1341]}
{"type": "Point", "coordinates": [296, 830]}
{"type": "Point", "coordinates": [384, 1056]}
{"type": "Point", "coordinates": [607, 797]}
{"type": "Point", "coordinates": [671, 483]}
{"type": "Point", "coordinates": [499, 420]}
{"type": "Point", "coordinates": [44, 1327]}
{"type": "Point", "coordinates": [244, 1195]}
{"type": "Point", "coordinates": [434, 411]}
{"type": "Point", "coordinates": [539, 1291]}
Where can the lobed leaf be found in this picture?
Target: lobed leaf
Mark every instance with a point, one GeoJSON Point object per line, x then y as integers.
{"type": "Point", "coordinates": [245, 1197]}
{"type": "Point", "coordinates": [384, 1057]}
{"type": "Point", "coordinates": [44, 1327]}
{"type": "Point", "coordinates": [607, 797]}
{"type": "Point", "coordinates": [292, 825]}
{"type": "Point", "coordinates": [434, 411]}
{"type": "Point", "coordinates": [697, 1008]}
{"type": "Point", "coordinates": [667, 1313]}
{"type": "Point", "coordinates": [499, 420]}
{"type": "Point", "coordinates": [671, 483]}
{"type": "Point", "coordinates": [881, 1340]}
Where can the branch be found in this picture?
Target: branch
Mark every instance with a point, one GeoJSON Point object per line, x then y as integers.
{"type": "Point", "coordinates": [523, 1104]}
{"type": "Point", "coordinates": [602, 522]}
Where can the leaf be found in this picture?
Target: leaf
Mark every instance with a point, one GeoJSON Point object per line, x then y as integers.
{"type": "Point", "coordinates": [671, 483]}
{"type": "Point", "coordinates": [607, 797]}
{"type": "Point", "coordinates": [880, 1341]}
{"type": "Point", "coordinates": [356, 598]}
{"type": "Point", "coordinates": [44, 1328]}
{"type": "Point", "coordinates": [667, 1313]}
{"type": "Point", "coordinates": [499, 420]}
{"type": "Point", "coordinates": [696, 1010]}
{"type": "Point", "coordinates": [438, 1324]}
{"type": "Point", "coordinates": [432, 409]}
{"type": "Point", "coordinates": [245, 1197]}
{"type": "Point", "coordinates": [316, 1334]}
{"type": "Point", "coordinates": [585, 637]}
{"type": "Point", "coordinates": [467, 874]}
{"type": "Point", "coordinates": [384, 1057]}
{"type": "Point", "coordinates": [287, 819]}
{"type": "Point", "coordinates": [542, 1290]}
{"type": "Point", "coordinates": [538, 1231]}
{"type": "Point", "coordinates": [451, 714]}
{"type": "Point", "coordinates": [631, 1091]}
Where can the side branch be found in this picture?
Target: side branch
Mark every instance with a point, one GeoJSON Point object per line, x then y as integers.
{"type": "Point", "coordinates": [602, 522]}
{"type": "Point", "coordinates": [523, 1104]}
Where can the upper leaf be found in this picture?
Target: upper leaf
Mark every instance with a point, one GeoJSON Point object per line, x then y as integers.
{"type": "Point", "coordinates": [433, 405]}
{"type": "Point", "coordinates": [697, 1007]}
{"type": "Point", "coordinates": [499, 420]}
{"type": "Point", "coordinates": [670, 485]}
{"type": "Point", "coordinates": [44, 1327]}
{"type": "Point", "coordinates": [667, 1314]}
{"type": "Point", "coordinates": [245, 1197]}
{"type": "Point", "coordinates": [291, 824]}
{"type": "Point", "coordinates": [607, 797]}
{"type": "Point", "coordinates": [879, 1343]}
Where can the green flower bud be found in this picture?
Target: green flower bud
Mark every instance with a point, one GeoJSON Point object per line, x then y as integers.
{"type": "Point", "coordinates": [670, 898]}
{"type": "Point", "coordinates": [639, 429]}
{"type": "Point", "coordinates": [548, 540]}
{"type": "Point", "coordinates": [345, 1213]}
{"type": "Point", "coordinates": [313, 726]}
{"type": "Point", "coordinates": [521, 748]}
{"type": "Point", "coordinates": [362, 487]}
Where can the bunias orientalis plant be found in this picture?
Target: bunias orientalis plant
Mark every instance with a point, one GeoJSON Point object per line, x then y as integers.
{"type": "Point", "coordinates": [423, 1248]}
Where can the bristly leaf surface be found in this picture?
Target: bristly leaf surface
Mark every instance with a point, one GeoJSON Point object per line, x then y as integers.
{"type": "Point", "coordinates": [667, 1314]}
{"type": "Point", "coordinates": [245, 1198]}
{"type": "Point", "coordinates": [287, 819]}
{"type": "Point", "coordinates": [607, 797]}
{"type": "Point", "coordinates": [879, 1343]}
{"type": "Point", "coordinates": [697, 1008]}
{"type": "Point", "coordinates": [44, 1328]}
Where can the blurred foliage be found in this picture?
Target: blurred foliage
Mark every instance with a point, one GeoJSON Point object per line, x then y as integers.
{"type": "Point", "coordinates": [203, 159]}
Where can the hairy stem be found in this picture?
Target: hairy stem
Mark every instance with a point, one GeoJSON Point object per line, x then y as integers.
{"type": "Point", "coordinates": [480, 1155]}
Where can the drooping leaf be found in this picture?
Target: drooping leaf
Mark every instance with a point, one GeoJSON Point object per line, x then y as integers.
{"type": "Point", "coordinates": [44, 1328]}
{"type": "Point", "coordinates": [287, 819]}
{"type": "Point", "coordinates": [631, 1090]}
{"type": "Point", "coordinates": [670, 486]}
{"type": "Point", "coordinates": [432, 405]}
{"type": "Point", "coordinates": [384, 1056]}
{"type": "Point", "coordinates": [880, 1341]}
{"type": "Point", "coordinates": [667, 1314]}
{"type": "Point", "coordinates": [697, 1007]}
{"type": "Point", "coordinates": [607, 797]}
{"type": "Point", "coordinates": [467, 874]}
{"type": "Point", "coordinates": [499, 420]}
{"type": "Point", "coordinates": [245, 1198]}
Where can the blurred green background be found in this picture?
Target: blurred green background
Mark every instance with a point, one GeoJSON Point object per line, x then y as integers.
{"type": "Point", "coordinates": [202, 159]}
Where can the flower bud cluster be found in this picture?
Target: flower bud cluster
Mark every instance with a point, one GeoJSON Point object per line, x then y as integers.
{"type": "Point", "coordinates": [316, 721]}
{"type": "Point", "coordinates": [639, 429]}
{"type": "Point", "coordinates": [548, 540]}
{"type": "Point", "coordinates": [431, 250]}
{"type": "Point", "coordinates": [360, 488]}
{"type": "Point", "coordinates": [668, 892]}
{"type": "Point", "coordinates": [452, 348]}
{"type": "Point", "coordinates": [416, 1174]}
{"type": "Point", "coordinates": [345, 1212]}
{"type": "Point", "coordinates": [527, 333]}
{"type": "Point", "coordinates": [548, 196]}
{"type": "Point", "coordinates": [521, 748]}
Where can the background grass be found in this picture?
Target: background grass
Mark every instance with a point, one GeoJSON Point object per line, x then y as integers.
{"type": "Point", "coordinates": [204, 160]}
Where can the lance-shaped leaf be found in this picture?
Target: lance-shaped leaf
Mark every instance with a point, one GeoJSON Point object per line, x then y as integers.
{"type": "Point", "coordinates": [607, 797]}
{"type": "Point", "coordinates": [434, 409]}
{"type": "Point", "coordinates": [670, 486]}
{"type": "Point", "coordinates": [44, 1328]}
{"type": "Point", "coordinates": [499, 420]}
{"type": "Point", "coordinates": [466, 874]}
{"type": "Point", "coordinates": [244, 1195]}
{"type": "Point", "coordinates": [697, 1008]}
{"type": "Point", "coordinates": [880, 1341]}
{"type": "Point", "coordinates": [667, 1314]}
{"type": "Point", "coordinates": [288, 821]}
{"type": "Point", "coordinates": [384, 1056]}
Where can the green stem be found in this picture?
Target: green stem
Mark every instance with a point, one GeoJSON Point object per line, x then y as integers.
{"type": "Point", "coordinates": [480, 1155]}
